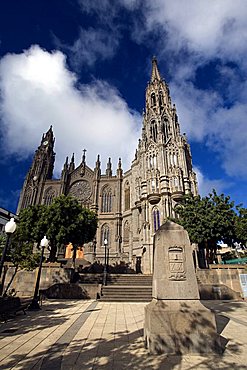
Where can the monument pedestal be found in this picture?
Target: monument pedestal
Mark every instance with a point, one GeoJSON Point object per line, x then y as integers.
{"type": "Point", "coordinates": [175, 320]}
{"type": "Point", "coordinates": [179, 327]}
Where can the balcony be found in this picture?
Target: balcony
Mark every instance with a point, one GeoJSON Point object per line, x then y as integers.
{"type": "Point", "coordinates": [177, 195]}
{"type": "Point", "coordinates": [154, 198]}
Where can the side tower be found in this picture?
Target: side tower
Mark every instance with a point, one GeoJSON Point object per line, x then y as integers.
{"type": "Point", "coordinates": [40, 171]}
{"type": "Point", "coordinates": [161, 172]}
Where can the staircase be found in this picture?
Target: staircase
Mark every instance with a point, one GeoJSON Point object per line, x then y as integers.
{"type": "Point", "coordinates": [138, 288]}
{"type": "Point", "coordinates": [127, 288]}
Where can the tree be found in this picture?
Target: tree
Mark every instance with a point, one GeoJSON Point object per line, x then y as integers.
{"type": "Point", "coordinates": [241, 225]}
{"type": "Point", "coordinates": [68, 223]}
{"type": "Point", "coordinates": [32, 224]}
{"type": "Point", "coordinates": [20, 254]}
{"type": "Point", "coordinates": [63, 222]}
{"type": "Point", "coordinates": [208, 220]}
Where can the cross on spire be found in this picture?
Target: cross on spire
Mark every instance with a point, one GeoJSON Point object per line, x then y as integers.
{"type": "Point", "coordinates": [84, 156]}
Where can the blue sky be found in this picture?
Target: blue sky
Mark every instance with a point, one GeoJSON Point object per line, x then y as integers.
{"type": "Point", "coordinates": [83, 66]}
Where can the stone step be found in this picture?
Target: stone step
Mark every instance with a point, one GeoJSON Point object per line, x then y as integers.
{"type": "Point", "coordinates": [117, 279]}
{"type": "Point", "coordinates": [127, 293]}
{"type": "Point", "coordinates": [120, 288]}
{"type": "Point", "coordinates": [127, 288]}
{"type": "Point", "coordinates": [129, 283]}
{"type": "Point", "coordinates": [124, 299]}
{"type": "Point", "coordinates": [115, 293]}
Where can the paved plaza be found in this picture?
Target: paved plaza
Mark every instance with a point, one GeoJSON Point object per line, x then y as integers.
{"type": "Point", "coordinates": [99, 335]}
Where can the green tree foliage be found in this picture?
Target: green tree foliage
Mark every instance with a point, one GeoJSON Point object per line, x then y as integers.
{"type": "Point", "coordinates": [32, 224]}
{"type": "Point", "coordinates": [20, 251]}
{"type": "Point", "coordinates": [241, 225]}
{"type": "Point", "coordinates": [20, 254]}
{"type": "Point", "coordinates": [68, 223]}
{"type": "Point", "coordinates": [208, 220]}
{"type": "Point", "coordinates": [2, 242]}
{"type": "Point", "coordinates": [63, 222]}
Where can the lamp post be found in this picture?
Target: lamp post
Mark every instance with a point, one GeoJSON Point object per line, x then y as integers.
{"type": "Point", "coordinates": [9, 229]}
{"type": "Point", "coordinates": [105, 264]}
{"type": "Point", "coordinates": [35, 301]}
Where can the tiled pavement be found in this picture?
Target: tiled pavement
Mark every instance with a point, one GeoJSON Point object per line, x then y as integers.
{"type": "Point", "coordinates": [96, 335]}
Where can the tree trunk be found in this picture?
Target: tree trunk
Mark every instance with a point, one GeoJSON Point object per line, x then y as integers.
{"type": "Point", "coordinates": [74, 256]}
{"type": "Point", "coordinates": [11, 281]}
{"type": "Point", "coordinates": [53, 252]}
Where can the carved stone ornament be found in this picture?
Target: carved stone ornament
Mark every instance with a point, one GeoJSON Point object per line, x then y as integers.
{"type": "Point", "coordinates": [176, 257]}
{"type": "Point", "coordinates": [81, 190]}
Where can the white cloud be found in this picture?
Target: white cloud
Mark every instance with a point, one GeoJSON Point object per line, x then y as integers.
{"type": "Point", "coordinates": [205, 119]}
{"type": "Point", "coordinates": [206, 26]}
{"type": "Point", "coordinates": [92, 45]}
{"type": "Point", "coordinates": [37, 90]}
{"type": "Point", "coordinates": [189, 36]}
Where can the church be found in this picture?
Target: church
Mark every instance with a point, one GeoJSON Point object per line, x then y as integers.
{"type": "Point", "coordinates": [132, 205]}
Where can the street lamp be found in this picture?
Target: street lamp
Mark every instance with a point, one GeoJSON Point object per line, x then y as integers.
{"type": "Point", "coordinates": [105, 264]}
{"type": "Point", "coordinates": [35, 301]}
{"type": "Point", "coordinates": [9, 229]}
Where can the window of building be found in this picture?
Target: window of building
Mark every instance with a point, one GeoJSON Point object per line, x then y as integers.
{"type": "Point", "coordinates": [126, 232]}
{"type": "Point", "coordinates": [127, 196]}
{"type": "Point", "coordinates": [106, 200]}
{"type": "Point", "coordinates": [105, 234]}
{"type": "Point", "coordinates": [160, 99]}
{"type": "Point", "coordinates": [49, 196]}
{"type": "Point", "coordinates": [154, 130]}
{"type": "Point", "coordinates": [156, 219]}
{"type": "Point", "coordinates": [27, 199]}
{"type": "Point", "coordinates": [153, 100]}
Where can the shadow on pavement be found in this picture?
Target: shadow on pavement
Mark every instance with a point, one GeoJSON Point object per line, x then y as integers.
{"type": "Point", "coordinates": [118, 350]}
{"type": "Point", "coordinates": [124, 351]}
{"type": "Point", "coordinates": [49, 315]}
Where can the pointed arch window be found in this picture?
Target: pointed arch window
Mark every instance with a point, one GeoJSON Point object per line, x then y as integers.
{"type": "Point", "coordinates": [154, 130]}
{"type": "Point", "coordinates": [127, 196]}
{"type": "Point", "coordinates": [156, 219]}
{"type": "Point", "coordinates": [27, 198]}
{"type": "Point", "coordinates": [153, 100]}
{"type": "Point", "coordinates": [160, 99]}
{"type": "Point", "coordinates": [126, 232]}
{"type": "Point", "coordinates": [105, 234]}
{"type": "Point", "coordinates": [49, 195]}
{"type": "Point", "coordinates": [138, 188]}
{"type": "Point", "coordinates": [106, 200]}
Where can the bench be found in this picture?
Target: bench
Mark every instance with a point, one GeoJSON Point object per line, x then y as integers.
{"type": "Point", "coordinates": [9, 306]}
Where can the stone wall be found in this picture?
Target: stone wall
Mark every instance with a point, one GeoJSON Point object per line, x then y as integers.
{"type": "Point", "coordinates": [222, 274]}
{"type": "Point", "coordinates": [24, 281]}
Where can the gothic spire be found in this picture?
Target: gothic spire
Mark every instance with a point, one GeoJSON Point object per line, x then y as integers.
{"type": "Point", "coordinates": [155, 72]}
{"type": "Point", "coordinates": [48, 137]}
{"type": "Point", "coordinates": [119, 163]}
{"type": "Point", "coordinates": [109, 169]}
{"type": "Point", "coordinates": [84, 156]}
{"type": "Point", "coordinates": [72, 163]}
{"type": "Point", "coordinates": [83, 163]}
{"type": "Point", "coordinates": [97, 164]}
{"type": "Point", "coordinates": [65, 166]}
{"type": "Point", "coordinates": [97, 170]}
{"type": "Point", "coordinates": [119, 169]}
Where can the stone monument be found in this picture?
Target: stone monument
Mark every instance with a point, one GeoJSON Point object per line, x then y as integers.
{"type": "Point", "coordinates": [175, 320]}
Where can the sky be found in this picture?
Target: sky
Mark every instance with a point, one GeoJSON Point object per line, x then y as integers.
{"type": "Point", "coordinates": [83, 66]}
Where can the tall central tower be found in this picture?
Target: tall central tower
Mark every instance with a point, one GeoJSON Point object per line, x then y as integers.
{"type": "Point", "coordinates": [161, 172]}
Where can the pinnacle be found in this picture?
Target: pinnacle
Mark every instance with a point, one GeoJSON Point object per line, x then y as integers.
{"type": "Point", "coordinates": [155, 72]}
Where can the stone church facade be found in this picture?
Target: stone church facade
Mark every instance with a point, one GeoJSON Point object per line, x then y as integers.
{"type": "Point", "coordinates": [132, 205]}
